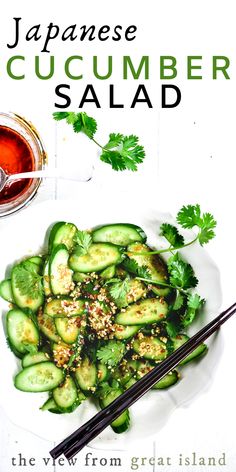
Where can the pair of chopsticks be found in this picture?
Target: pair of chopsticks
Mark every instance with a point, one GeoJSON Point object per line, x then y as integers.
{"type": "Point", "coordinates": [92, 428]}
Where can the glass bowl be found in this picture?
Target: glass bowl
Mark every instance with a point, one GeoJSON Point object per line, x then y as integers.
{"type": "Point", "coordinates": [28, 132]}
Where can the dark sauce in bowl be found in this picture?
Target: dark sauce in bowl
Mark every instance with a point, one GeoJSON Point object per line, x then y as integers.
{"type": "Point", "coordinates": [15, 156]}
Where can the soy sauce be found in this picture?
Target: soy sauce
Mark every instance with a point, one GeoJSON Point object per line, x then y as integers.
{"type": "Point", "coordinates": [15, 156]}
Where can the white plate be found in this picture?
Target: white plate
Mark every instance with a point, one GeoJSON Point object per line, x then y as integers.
{"type": "Point", "coordinates": [25, 235]}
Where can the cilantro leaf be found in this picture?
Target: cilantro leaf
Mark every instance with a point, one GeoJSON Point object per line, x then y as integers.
{"type": "Point", "coordinates": [89, 124]}
{"type": "Point", "coordinates": [208, 225]}
{"type": "Point", "coordinates": [111, 353]}
{"type": "Point", "coordinates": [115, 139]}
{"type": "Point", "coordinates": [27, 280]}
{"type": "Point", "coordinates": [132, 266]}
{"type": "Point", "coordinates": [123, 152]}
{"type": "Point", "coordinates": [172, 235]}
{"type": "Point", "coordinates": [181, 273]}
{"type": "Point", "coordinates": [194, 304]}
{"type": "Point", "coordinates": [60, 115]}
{"type": "Point", "coordinates": [84, 240]}
{"type": "Point", "coordinates": [118, 290]}
{"type": "Point", "coordinates": [189, 216]}
{"type": "Point", "coordinates": [71, 118]}
{"type": "Point", "coordinates": [179, 301]}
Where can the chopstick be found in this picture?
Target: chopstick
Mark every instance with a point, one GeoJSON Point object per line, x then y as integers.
{"type": "Point", "coordinates": [92, 428]}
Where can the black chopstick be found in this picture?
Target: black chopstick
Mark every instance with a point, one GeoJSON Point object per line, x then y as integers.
{"type": "Point", "coordinates": [92, 428]}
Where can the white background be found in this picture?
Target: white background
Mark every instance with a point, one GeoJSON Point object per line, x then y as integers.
{"type": "Point", "coordinates": [190, 158]}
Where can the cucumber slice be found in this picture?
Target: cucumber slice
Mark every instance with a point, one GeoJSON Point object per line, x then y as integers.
{"type": "Point", "coordinates": [68, 329]}
{"type": "Point", "coordinates": [31, 359]}
{"type": "Point", "coordinates": [125, 371]}
{"type": "Point", "coordinates": [65, 396]}
{"type": "Point", "coordinates": [198, 352]}
{"type": "Point", "coordinates": [22, 332]}
{"type": "Point", "coordinates": [98, 257]}
{"type": "Point", "coordinates": [47, 326]}
{"type": "Point", "coordinates": [103, 372]}
{"type": "Point", "coordinates": [61, 353]}
{"type": "Point", "coordinates": [46, 279]}
{"type": "Point", "coordinates": [147, 311]}
{"type": "Point", "coordinates": [121, 423]}
{"type": "Point", "coordinates": [166, 382]}
{"type": "Point", "coordinates": [38, 261]}
{"type": "Point", "coordinates": [6, 290]}
{"type": "Point", "coordinates": [35, 298]}
{"type": "Point", "coordinates": [125, 332]}
{"type": "Point", "coordinates": [86, 375]}
{"type": "Point", "coordinates": [60, 274]}
{"type": "Point", "coordinates": [79, 277]}
{"type": "Point", "coordinates": [41, 377]}
{"type": "Point", "coordinates": [62, 233]}
{"type": "Point", "coordinates": [136, 290]}
{"type": "Point", "coordinates": [150, 347]}
{"type": "Point", "coordinates": [64, 306]}
{"type": "Point", "coordinates": [155, 265]}
{"type": "Point", "coordinates": [120, 234]}
{"type": "Point", "coordinates": [108, 273]}
{"type": "Point", "coordinates": [50, 405]}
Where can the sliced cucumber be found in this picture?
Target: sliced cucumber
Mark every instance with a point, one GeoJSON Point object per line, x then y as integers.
{"type": "Point", "coordinates": [47, 326]}
{"type": "Point", "coordinates": [31, 359]}
{"type": "Point", "coordinates": [125, 332]}
{"type": "Point", "coordinates": [6, 290]}
{"type": "Point", "coordinates": [154, 263]}
{"type": "Point", "coordinates": [198, 352]}
{"type": "Point", "coordinates": [130, 383]}
{"type": "Point", "coordinates": [65, 396]}
{"type": "Point", "coordinates": [150, 348]}
{"type": "Point", "coordinates": [79, 277]}
{"type": "Point", "coordinates": [34, 299]}
{"type": "Point", "coordinates": [136, 290]}
{"type": "Point", "coordinates": [61, 354]}
{"type": "Point", "coordinates": [62, 233]}
{"type": "Point", "coordinates": [50, 405]}
{"type": "Point", "coordinates": [121, 423]}
{"type": "Point", "coordinates": [64, 306]}
{"type": "Point", "coordinates": [22, 332]}
{"type": "Point", "coordinates": [86, 375]}
{"type": "Point", "coordinates": [69, 328]}
{"type": "Point", "coordinates": [38, 261]}
{"type": "Point", "coordinates": [60, 274]}
{"type": "Point", "coordinates": [41, 377]}
{"type": "Point", "coordinates": [46, 279]}
{"type": "Point", "coordinates": [125, 371]}
{"type": "Point", "coordinates": [147, 311]}
{"type": "Point", "coordinates": [109, 272]}
{"type": "Point", "coordinates": [166, 382]}
{"type": "Point", "coordinates": [121, 234]}
{"type": "Point", "coordinates": [103, 372]}
{"type": "Point", "coordinates": [98, 257]}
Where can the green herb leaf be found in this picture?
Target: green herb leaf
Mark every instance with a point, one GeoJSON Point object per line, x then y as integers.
{"type": "Point", "coordinates": [189, 216]}
{"type": "Point", "coordinates": [118, 290]}
{"type": "Point", "coordinates": [172, 235]}
{"type": "Point", "coordinates": [111, 353]}
{"type": "Point", "coordinates": [179, 301]}
{"type": "Point", "coordinates": [89, 124]}
{"type": "Point", "coordinates": [60, 115]}
{"type": "Point", "coordinates": [84, 240]}
{"type": "Point", "coordinates": [207, 228]}
{"type": "Point", "coordinates": [194, 304]}
{"type": "Point", "coordinates": [132, 266]}
{"type": "Point", "coordinates": [181, 273]}
{"type": "Point", "coordinates": [27, 280]}
{"type": "Point", "coordinates": [123, 152]}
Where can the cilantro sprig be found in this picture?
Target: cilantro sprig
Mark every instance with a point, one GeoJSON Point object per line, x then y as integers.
{"type": "Point", "coordinates": [83, 240]}
{"type": "Point", "coordinates": [111, 353]}
{"type": "Point", "coordinates": [121, 152]}
{"type": "Point", "coordinates": [188, 217]}
{"type": "Point", "coordinates": [118, 290]}
{"type": "Point", "coordinates": [27, 280]}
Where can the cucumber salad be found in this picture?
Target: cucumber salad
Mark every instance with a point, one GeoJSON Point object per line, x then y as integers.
{"type": "Point", "coordinates": [101, 308]}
